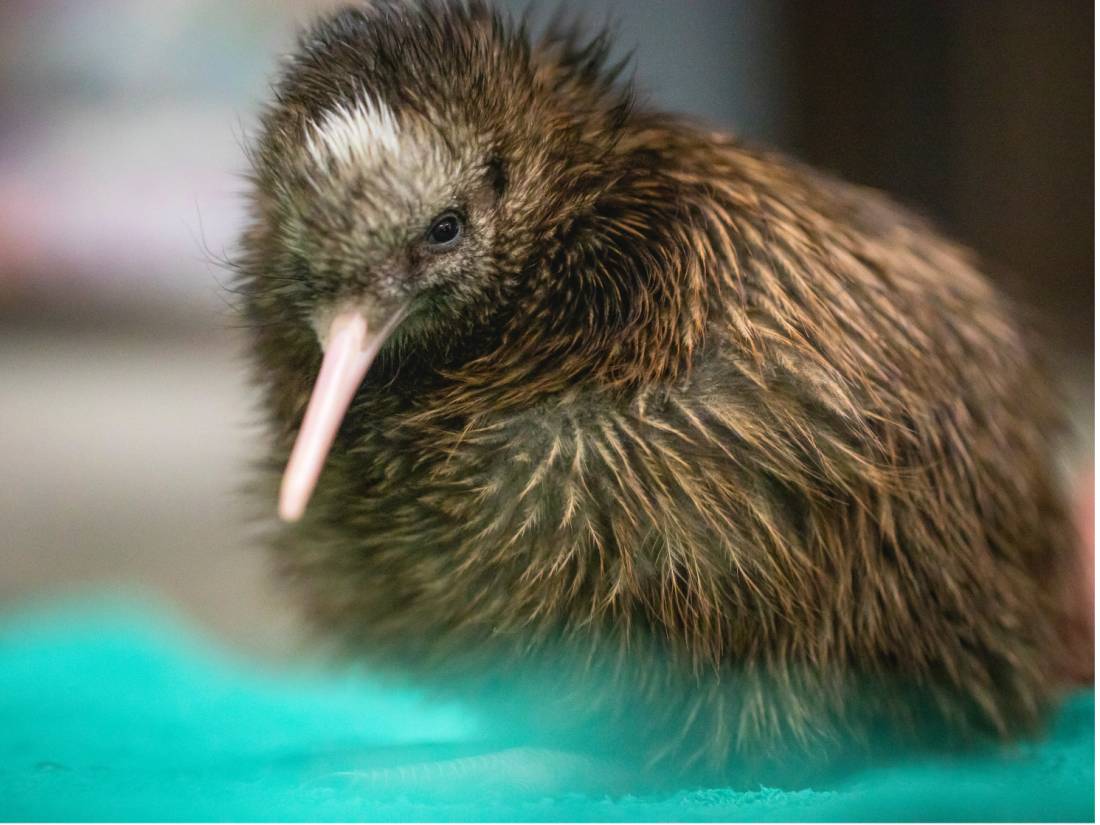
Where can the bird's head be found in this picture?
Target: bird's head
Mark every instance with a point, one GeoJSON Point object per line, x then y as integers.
{"type": "Point", "coordinates": [434, 195]}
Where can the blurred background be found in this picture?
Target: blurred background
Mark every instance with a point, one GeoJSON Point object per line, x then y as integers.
{"type": "Point", "coordinates": [126, 425]}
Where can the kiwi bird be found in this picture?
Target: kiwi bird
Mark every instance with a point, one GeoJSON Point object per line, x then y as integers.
{"type": "Point", "coordinates": [558, 379]}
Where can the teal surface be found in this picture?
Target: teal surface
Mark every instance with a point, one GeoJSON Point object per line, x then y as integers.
{"type": "Point", "coordinates": [113, 711]}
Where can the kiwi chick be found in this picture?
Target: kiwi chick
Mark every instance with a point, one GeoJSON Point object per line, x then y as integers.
{"type": "Point", "coordinates": [758, 447]}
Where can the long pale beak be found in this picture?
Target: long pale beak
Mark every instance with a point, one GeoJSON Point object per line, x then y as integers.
{"type": "Point", "coordinates": [350, 347]}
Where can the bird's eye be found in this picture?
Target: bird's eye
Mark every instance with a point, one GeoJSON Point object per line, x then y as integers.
{"type": "Point", "coordinates": [445, 231]}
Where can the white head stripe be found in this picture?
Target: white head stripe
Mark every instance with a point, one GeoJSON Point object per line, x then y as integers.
{"type": "Point", "coordinates": [358, 132]}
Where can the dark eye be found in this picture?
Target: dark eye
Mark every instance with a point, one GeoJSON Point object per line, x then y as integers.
{"type": "Point", "coordinates": [445, 231]}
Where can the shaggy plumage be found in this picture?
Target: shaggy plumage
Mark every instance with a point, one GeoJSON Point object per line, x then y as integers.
{"type": "Point", "coordinates": [758, 446]}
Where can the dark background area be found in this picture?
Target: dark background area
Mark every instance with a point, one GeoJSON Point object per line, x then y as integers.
{"type": "Point", "coordinates": [126, 422]}
{"type": "Point", "coordinates": [979, 114]}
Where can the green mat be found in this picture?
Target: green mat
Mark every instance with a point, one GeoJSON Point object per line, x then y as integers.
{"type": "Point", "coordinates": [110, 710]}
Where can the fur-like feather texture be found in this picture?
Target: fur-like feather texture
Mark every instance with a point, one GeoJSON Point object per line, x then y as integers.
{"type": "Point", "coordinates": [760, 439]}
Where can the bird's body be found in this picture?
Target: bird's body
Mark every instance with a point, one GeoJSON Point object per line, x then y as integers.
{"type": "Point", "coordinates": [757, 440]}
